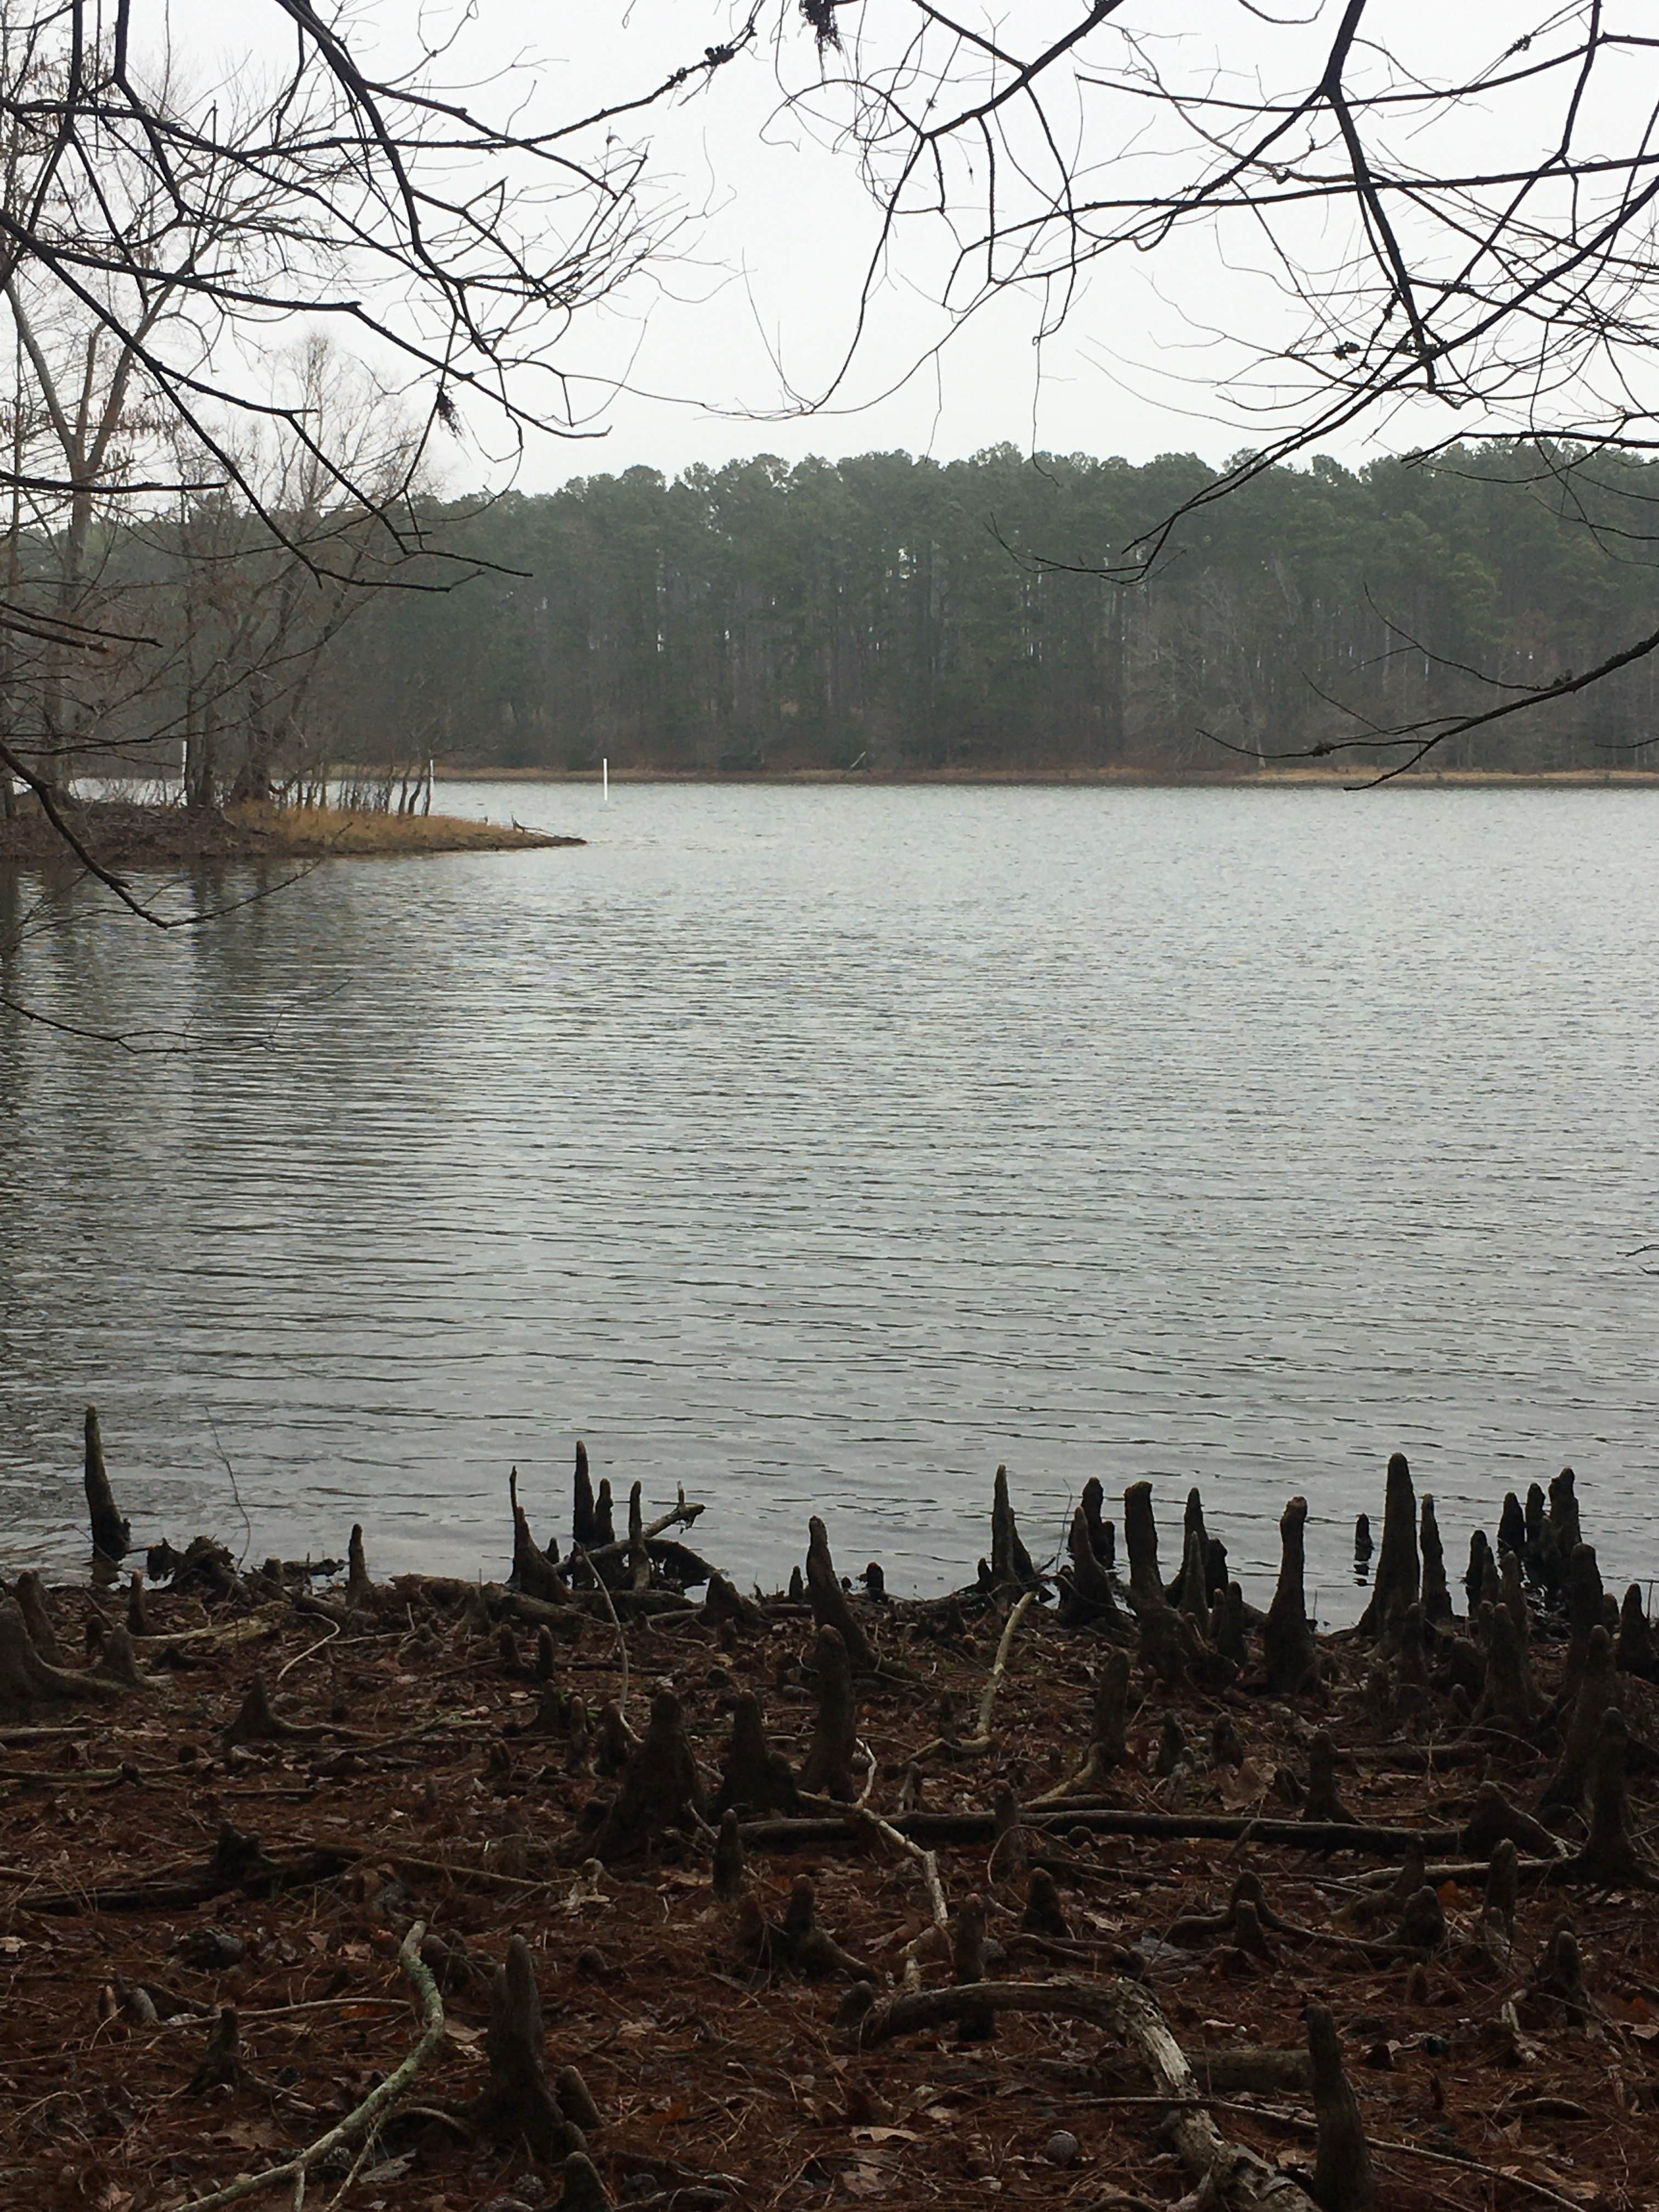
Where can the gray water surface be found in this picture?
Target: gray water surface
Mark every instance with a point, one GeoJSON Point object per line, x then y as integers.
{"type": "Point", "coordinates": [817, 1148]}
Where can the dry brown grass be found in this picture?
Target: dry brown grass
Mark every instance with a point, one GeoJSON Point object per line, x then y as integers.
{"type": "Point", "coordinates": [306, 832]}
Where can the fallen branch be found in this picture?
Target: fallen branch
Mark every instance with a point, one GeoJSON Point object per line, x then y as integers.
{"type": "Point", "coordinates": [374, 2107]}
{"type": "Point", "coordinates": [1233, 2174]}
{"type": "Point", "coordinates": [977, 1744]}
{"type": "Point", "coordinates": [974, 1827]}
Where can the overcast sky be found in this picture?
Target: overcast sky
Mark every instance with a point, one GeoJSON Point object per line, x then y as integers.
{"type": "Point", "coordinates": [755, 299]}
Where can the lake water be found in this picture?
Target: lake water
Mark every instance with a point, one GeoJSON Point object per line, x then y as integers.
{"type": "Point", "coordinates": [817, 1148]}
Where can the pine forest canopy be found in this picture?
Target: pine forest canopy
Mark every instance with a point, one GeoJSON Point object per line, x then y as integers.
{"type": "Point", "coordinates": [889, 611]}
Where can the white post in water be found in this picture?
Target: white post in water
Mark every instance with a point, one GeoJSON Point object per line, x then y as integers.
{"type": "Point", "coordinates": [604, 770]}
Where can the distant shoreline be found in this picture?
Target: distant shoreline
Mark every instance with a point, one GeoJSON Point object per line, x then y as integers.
{"type": "Point", "coordinates": [1310, 779]}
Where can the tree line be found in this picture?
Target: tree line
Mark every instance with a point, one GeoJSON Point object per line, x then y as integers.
{"type": "Point", "coordinates": [902, 615]}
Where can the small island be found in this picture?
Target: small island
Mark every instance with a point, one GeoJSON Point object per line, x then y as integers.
{"type": "Point", "coordinates": [124, 834]}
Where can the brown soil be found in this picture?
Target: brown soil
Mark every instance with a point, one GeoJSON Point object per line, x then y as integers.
{"type": "Point", "coordinates": [421, 1771]}
{"type": "Point", "coordinates": [124, 836]}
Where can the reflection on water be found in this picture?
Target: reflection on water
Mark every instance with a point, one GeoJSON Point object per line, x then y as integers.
{"type": "Point", "coordinates": [819, 1148]}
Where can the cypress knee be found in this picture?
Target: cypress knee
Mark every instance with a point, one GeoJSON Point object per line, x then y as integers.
{"type": "Point", "coordinates": [1287, 1637]}
{"type": "Point", "coordinates": [831, 1607]}
{"type": "Point", "coordinates": [111, 1536]}
{"type": "Point", "coordinates": [1399, 1573]}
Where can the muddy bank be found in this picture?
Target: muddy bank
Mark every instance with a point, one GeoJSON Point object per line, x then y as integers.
{"type": "Point", "coordinates": [608, 1884]}
{"type": "Point", "coordinates": [125, 836]}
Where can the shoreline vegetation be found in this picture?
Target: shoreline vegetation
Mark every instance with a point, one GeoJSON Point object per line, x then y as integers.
{"type": "Point", "coordinates": [128, 835]}
{"type": "Point", "coordinates": [1272, 779]}
{"type": "Point", "coordinates": [1072, 1886]}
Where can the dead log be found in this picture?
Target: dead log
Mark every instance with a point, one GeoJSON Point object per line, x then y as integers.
{"type": "Point", "coordinates": [1343, 2180]}
{"type": "Point", "coordinates": [111, 1534]}
{"type": "Point", "coordinates": [756, 1778]}
{"type": "Point", "coordinates": [829, 1764]}
{"type": "Point", "coordinates": [1011, 1563]}
{"type": "Point", "coordinates": [831, 1607]}
{"type": "Point", "coordinates": [1399, 1570]}
{"type": "Point", "coordinates": [517, 2104]}
{"type": "Point", "coordinates": [1287, 1638]}
{"type": "Point", "coordinates": [36, 1617]}
{"type": "Point", "coordinates": [661, 1788]}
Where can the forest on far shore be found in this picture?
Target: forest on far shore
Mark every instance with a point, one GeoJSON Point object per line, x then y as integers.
{"type": "Point", "coordinates": [897, 614]}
